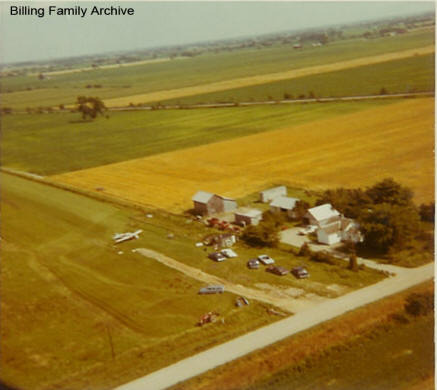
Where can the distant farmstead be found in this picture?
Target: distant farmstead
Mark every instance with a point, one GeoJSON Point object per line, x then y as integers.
{"type": "Point", "coordinates": [206, 203]}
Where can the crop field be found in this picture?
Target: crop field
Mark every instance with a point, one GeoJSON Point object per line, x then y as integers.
{"type": "Point", "coordinates": [48, 144]}
{"type": "Point", "coordinates": [75, 305]}
{"type": "Point", "coordinates": [400, 76]}
{"type": "Point", "coordinates": [350, 150]}
{"type": "Point", "coordinates": [264, 78]}
{"type": "Point", "coordinates": [27, 91]}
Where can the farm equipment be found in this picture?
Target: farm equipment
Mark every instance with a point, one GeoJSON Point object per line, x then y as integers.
{"type": "Point", "coordinates": [208, 318]}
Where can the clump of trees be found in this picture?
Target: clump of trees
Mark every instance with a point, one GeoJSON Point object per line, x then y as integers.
{"type": "Point", "coordinates": [266, 233]}
{"type": "Point", "coordinates": [90, 107]}
{"type": "Point", "coordinates": [389, 219]}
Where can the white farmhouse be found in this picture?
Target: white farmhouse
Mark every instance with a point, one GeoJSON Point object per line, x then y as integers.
{"type": "Point", "coordinates": [345, 229]}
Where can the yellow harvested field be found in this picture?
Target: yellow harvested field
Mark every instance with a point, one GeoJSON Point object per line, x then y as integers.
{"type": "Point", "coordinates": [357, 149]}
{"type": "Point", "coordinates": [266, 78]}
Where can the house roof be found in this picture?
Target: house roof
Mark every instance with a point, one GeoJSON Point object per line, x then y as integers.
{"type": "Point", "coordinates": [323, 212]}
{"type": "Point", "coordinates": [225, 198]}
{"type": "Point", "coordinates": [202, 197]}
{"type": "Point", "coordinates": [251, 213]}
{"type": "Point", "coordinates": [284, 202]}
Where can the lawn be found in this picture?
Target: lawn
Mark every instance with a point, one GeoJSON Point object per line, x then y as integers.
{"type": "Point", "coordinates": [77, 313]}
{"type": "Point", "coordinates": [400, 76]}
{"type": "Point", "coordinates": [204, 69]}
{"type": "Point", "coordinates": [47, 144]}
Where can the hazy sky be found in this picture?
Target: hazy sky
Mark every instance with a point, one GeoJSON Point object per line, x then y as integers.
{"type": "Point", "coordinates": [163, 23]}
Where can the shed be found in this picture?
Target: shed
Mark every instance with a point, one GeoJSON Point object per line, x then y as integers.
{"type": "Point", "coordinates": [206, 203]}
{"type": "Point", "coordinates": [284, 204]}
{"type": "Point", "coordinates": [272, 193]}
{"type": "Point", "coordinates": [249, 217]}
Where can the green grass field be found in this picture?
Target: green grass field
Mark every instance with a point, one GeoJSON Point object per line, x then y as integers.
{"type": "Point", "coordinates": [126, 81]}
{"type": "Point", "coordinates": [406, 75]}
{"type": "Point", "coordinates": [397, 357]}
{"type": "Point", "coordinates": [48, 144]}
{"type": "Point", "coordinates": [66, 292]}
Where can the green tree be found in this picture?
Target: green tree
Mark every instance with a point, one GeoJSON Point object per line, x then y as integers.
{"type": "Point", "coordinates": [261, 235]}
{"type": "Point", "coordinates": [386, 226]}
{"type": "Point", "coordinates": [427, 212]}
{"type": "Point", "coordinates": [90, 106]}
{"type": "Point", "coordinates": [388, 191]}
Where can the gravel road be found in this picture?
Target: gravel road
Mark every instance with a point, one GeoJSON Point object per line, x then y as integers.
{"type": "Point", "coordinates": [269, 334]}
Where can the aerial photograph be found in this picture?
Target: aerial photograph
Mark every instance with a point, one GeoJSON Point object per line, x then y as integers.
{"type": "Point", "coordinates": [218, 195]}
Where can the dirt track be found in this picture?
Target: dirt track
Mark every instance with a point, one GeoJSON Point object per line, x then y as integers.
{"type": "Point", "coordinates": [262, 79]}
{"type": "Point", "coordinates": [270, 297]}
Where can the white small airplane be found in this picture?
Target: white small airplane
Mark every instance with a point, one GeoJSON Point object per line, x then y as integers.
{"type": "Point", "coordinates": [121, 237]}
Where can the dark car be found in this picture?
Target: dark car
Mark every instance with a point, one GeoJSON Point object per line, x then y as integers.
{"type": "Point", "coordinates": [217, 256]}
{"type": "Point", "coordinates": [300, 272]}
{"type": "Point", "coordinates": [277, 270]}
{"type": "Point", "coordinates": [253, 264]}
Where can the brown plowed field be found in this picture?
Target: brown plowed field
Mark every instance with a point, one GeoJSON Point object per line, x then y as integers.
{"type": "Point", "coordinates": [265, 78]}
{"type": "Point", "coordinates": [357, 149]}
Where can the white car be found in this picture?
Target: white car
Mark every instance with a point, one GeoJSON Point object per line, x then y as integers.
{"type": "Point", "coordinates": [229, 253]}
{"type": "Point", "coordinates": [308, 230]}
{"type": "Point", "coordinates": [266, 260]}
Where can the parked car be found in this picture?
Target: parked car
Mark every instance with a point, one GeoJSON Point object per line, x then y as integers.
{"type": "Point", "coordinates": [266, 260]}
{"type": "Point", "coordinates": [300, 272]}
{"type": "Point", "coordinates": [212, 290]}
{"type": "Point", "coordinates": [277, 270]}
{"type": "Point", "coordinates": [228, 253]}
{"type": "Point", "coordinates": [217, 256]}
{"type": "Point", "coordinates": [307, 230]}
{"type": "Point", "coordinates": [253, 264]}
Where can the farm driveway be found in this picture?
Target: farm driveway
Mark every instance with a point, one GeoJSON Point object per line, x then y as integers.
{"type": "Point", "coordinates": [269, 334]}
{"type": "Point", "coordinates": [271, 297]}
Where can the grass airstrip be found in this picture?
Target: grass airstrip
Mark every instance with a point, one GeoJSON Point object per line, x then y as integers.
{"type": "Point", "coordinates": [350, 150]}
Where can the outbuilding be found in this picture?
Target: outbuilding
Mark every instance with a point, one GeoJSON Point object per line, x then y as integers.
{"type": "Point", "coordinates": [248, 217]}
{"type": "Point", "coordinates": [284, 204]}
{"type": "Point", "coordinates": [268, 195]}
{"type": "Point", "coordinates": [206, 203]}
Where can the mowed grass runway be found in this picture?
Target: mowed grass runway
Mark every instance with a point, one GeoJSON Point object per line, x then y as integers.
{"type": "Point", "coordinates": [354, 149]}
